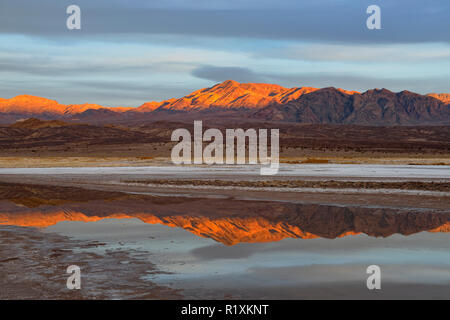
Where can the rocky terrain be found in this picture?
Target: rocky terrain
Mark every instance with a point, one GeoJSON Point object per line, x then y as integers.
{"type": "Point", "coordinates": [34, 137]}
{"type": "Point", "coordinates": [34, 267]}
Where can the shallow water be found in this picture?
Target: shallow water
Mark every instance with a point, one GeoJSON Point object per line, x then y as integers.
{"type": "Point", "coordinates": [289, 268]}
{"type": "Point", "coordinates": [227, 248]}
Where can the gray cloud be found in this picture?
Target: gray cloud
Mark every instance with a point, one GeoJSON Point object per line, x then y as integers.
{"type": "Point", "coordinates": [106, 93]}
{"type": "Point", "coordinates": [399, 53]}
{"type": "Point", "coordinates": [324, 20]}
{"type": "Point", "coordinates": [420, 84]}
{"type": "Point", "coordinates": [51, 66]}
{"type": "Point", "coordinates": [321, 80]}
{"type": "Point", "coordinates": [220, 74]}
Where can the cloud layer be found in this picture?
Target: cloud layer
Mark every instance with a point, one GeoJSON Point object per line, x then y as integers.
{"type": "Point", "coordinates": [403, 21]}
{"type": "Point", "coordinates": [128, 52]}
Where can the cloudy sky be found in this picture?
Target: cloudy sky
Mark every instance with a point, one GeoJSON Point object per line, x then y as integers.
{"type": "Point", "coordinates": [129, 52]}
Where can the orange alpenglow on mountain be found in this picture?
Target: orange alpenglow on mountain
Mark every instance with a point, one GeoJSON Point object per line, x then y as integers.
{"type": "Point", "coordinates": [228, 94]}
{"type": "Point", "coordinates": [231, 230]}
{"type": "Point", "coordinates": [260, 101]}
{"type": "Point", "coordinates": [444, 97]}
{"type": "Point", "coordinates": [27, 104]}
{"type": "Point", "coordinates": [232, 95]}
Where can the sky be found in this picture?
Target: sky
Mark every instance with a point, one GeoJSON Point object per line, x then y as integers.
{"type": "Point", "coordinates": [130, 52]}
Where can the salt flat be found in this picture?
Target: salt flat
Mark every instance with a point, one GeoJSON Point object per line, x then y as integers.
{"type": "Point", "coordinates": [292, 170]}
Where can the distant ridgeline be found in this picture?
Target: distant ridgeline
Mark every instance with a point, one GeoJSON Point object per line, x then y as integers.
{"type": "Point", "coordinates": [252, 102]}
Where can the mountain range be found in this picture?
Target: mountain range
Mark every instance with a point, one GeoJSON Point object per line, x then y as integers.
{"type": "Point", "coordinates": [252, 102]}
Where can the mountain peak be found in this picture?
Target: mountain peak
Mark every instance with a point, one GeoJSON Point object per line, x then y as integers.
{"type": "Point", "coordinates": [230, 94]}
{"type": "Point", "coordinates": [26, 98]}
{"type": "Point", "coordinates": [28, 104]}
{"type": "Point", "coordinates": [33, 105]}
{"type": "Point", "coordinates": [229, 83]}
{"type": "Point", "coordinates": [444, 97]}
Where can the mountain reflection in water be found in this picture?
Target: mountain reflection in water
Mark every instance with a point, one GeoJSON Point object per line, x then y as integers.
{"type": "Point", "coordinates": [228, 221]}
